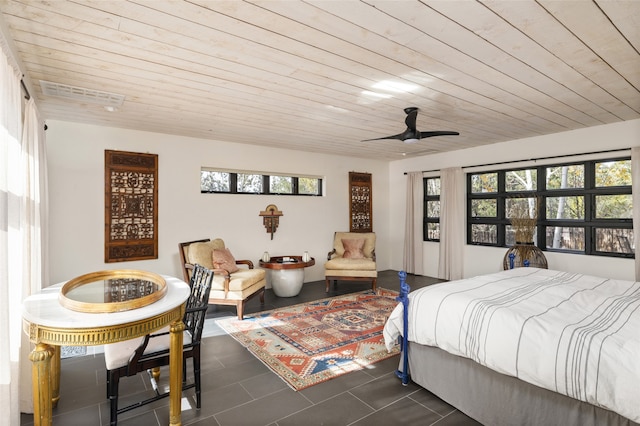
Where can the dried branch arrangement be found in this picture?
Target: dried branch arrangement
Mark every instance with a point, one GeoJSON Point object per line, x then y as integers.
{"type": "Point", "coordinates": [522, 221]}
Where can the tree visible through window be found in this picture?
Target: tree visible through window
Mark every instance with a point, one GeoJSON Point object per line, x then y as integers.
{"type": "Point", "coordinates": [281, 184]}
{"type": "Point", "coordinates": [582, 207]}
{"type": "Point", "coordinates": [431, 226]}
{"type": "Point", "coordinates": [215, 181]}
{"type": "Point", "coordinates": [249, 183]}
{"type": "Point", "coordinates": [232, 182]}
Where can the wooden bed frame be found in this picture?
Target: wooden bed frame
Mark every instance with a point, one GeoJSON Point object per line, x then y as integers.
{"type": "Point", "coordinates": [487, 396]}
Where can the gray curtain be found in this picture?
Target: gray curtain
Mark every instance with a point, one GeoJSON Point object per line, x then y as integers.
{"type": "Point", "coordinates": [412, 261]}
{"type": "Point", "coordinates": [452, 224]}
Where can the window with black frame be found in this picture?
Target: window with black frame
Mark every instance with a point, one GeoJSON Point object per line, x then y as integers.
{"type": "Point", "coordinates": [582, 207]}
{"type": "Point", "coordinates": [243, 182]}
{"type": "Point", "coordinates": [431, 226]}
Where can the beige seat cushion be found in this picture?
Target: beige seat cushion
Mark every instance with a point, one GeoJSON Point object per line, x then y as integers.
{"type": "Point", "coordinates": [332, 273]}
{"type": "Point", "coordinates": [238, 295]}
{"type": "Point", "coordinates": [117, 354]}
{"type": "Point", "coordinates": [340, 263]}
{"type": "Point", "coordinates": [240, 280]}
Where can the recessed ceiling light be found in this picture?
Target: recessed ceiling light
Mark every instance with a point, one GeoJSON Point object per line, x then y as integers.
{"type": "Point", "coordinates": [81, 94]}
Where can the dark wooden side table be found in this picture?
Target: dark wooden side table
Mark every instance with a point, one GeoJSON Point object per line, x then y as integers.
{"type": "Point", "coordinates": [286, 274]}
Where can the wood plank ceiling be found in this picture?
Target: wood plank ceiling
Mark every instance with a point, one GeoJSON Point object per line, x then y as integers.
{"type": "Point", "coordinates": [321, 76]}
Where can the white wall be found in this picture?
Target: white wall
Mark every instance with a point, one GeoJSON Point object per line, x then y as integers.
{"type": "Point", "coordinates": [480, 260]}
{"type": "Point", "coordinates": [76, 178]}
{"type": "Point", "coordinates": [75, 155]}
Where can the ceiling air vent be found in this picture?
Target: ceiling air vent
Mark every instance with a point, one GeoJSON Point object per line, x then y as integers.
{"type": "Point", "coordinates": [81, 94]}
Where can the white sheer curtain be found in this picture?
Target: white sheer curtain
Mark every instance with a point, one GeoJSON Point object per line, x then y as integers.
{"type": "Point", "coordinates": [22, 213]}
{"type": "Point", "coordinates": [635, 193]}
{"type": "Point", "coordinates": [34, 217]}
{"type": "Point", "coordinates": [412, 261]}
{"type": "Point", "coordinates": [452, 224]}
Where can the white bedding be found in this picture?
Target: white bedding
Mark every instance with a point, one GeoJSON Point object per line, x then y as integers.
{"type": "Point", "coordinates": [575, 334]}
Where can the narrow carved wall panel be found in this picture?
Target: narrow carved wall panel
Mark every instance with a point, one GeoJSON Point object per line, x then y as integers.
{"type": "Point", "coordinates": [360, 215]}
{"type": "Point", "coordinates": [131, 206]}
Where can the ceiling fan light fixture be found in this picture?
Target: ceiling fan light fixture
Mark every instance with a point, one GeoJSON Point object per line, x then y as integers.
{"type": "Point", "coordinates": [411, 140]}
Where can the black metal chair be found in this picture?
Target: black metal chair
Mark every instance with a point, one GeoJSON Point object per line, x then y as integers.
{"type": "Point", "coordinates": [151, 352]}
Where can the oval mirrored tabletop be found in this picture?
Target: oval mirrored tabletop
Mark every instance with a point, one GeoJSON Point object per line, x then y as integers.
{"type": "Point", "coordinates": [112, 291]}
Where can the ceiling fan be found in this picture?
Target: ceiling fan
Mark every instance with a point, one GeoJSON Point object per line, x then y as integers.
{"type": "Point", "coordinates": [413, 135]}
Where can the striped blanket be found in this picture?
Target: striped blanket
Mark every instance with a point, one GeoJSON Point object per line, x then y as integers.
{"type": "Point", "coordinates": [574, 334]}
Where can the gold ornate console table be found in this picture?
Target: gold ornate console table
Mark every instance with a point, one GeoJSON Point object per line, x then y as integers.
{"type": "Point", "coordinates": [50, 325]}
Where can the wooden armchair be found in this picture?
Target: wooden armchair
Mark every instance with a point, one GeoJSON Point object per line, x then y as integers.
{"type": "Point", "coordinates": [232, 285]}
{"type": "Point", "coordinates": [353, 258]}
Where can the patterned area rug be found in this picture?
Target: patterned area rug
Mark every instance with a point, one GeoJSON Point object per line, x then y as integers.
{"type": "Point", "coordinates": [313, 342]}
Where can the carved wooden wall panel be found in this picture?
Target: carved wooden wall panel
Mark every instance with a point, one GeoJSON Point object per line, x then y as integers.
{"type": "Point", "coordinates": [360, 211]}
{"type": "Point", "coordinates": [131, 206]}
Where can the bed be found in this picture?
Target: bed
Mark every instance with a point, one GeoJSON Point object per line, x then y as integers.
{"type": "Point", "coordinates": [525, 346]}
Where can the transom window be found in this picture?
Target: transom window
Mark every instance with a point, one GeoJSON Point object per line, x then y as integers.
{"type": "Point", "coordinates": [246, 182]}
{"type": "Point", "coordinates": [582, 207]}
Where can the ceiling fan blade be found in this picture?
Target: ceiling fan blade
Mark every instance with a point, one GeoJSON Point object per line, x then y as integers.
{"type": "Point", "coordinates": [437, 133]}
{"type": "Point", "coordinates": [399, 137]}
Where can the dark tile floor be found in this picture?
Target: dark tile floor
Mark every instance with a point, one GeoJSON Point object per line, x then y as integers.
{"type": "Point", "coordinates": [239, 390]}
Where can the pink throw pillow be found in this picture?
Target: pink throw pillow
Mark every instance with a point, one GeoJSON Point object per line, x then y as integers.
{"type": "Point", "coordinates": [223, 259]}
{"type": "Point", "coordinates": [353, 248]}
